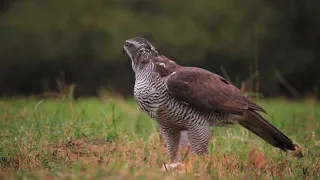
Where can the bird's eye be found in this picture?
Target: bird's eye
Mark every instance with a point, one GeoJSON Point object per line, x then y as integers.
{"type": "Point", "coordinates": [149, 47]}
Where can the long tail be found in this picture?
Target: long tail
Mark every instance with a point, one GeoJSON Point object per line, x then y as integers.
{"type": "Point", "coordinates": [255, 123]}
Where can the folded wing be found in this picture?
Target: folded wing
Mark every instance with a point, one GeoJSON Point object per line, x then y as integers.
{"type": "Point", "coordinates": [208, 91]}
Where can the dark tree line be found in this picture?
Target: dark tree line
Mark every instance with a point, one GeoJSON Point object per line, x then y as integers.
{"type": "Point", "coordinates": [83, 40]}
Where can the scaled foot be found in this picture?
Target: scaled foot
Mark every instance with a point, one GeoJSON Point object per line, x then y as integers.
{"type": "Point", "coordinates": [177, 167]}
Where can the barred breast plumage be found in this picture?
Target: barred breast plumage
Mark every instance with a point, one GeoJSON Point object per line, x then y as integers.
{"type": "Point", "coordinates": [172, 115]}
{"type": "Point", "coordinates": [153, 98]}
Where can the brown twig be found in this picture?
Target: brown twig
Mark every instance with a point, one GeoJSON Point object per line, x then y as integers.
{"type": "Point", "coordinates": [225, 74]}
{"type": "Point", "coordinates": [164, 164]}
{"type": "Point", "coordinates": [286, 84]}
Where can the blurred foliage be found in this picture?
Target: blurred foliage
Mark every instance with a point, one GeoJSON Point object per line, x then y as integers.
{"type": "Point", "coordinates": [39, 39]}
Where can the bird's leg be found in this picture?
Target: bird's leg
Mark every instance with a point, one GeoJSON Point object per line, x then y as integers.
{"type": "Point", "coordinates": [199, 136]}
{"type": "Point", "coordinates": [171, 136]}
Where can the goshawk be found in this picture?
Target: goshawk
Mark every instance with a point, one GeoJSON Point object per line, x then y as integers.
{"type": "Point", "coordinates": [192, 99]}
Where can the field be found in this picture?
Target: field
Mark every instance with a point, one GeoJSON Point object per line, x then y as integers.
{"type": "Point", "coordinates": [107, 138]}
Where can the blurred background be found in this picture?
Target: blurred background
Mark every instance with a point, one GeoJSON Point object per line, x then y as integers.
{"type": "Point", "coordinates": [266, 46]}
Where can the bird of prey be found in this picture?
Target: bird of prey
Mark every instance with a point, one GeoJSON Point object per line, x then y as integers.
{"type": "Point", "coordinates": [192, 99]}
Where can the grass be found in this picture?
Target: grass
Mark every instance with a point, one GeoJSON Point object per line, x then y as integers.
{"type": "Point", "coordinates": [105, 138]}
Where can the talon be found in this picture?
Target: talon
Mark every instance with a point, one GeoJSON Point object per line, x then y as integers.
{"type": "Point", "coordinates": [180, 167]}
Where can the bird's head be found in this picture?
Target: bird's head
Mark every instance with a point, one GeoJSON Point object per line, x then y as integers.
{"type": "Point", "coordinates": [140, 51]}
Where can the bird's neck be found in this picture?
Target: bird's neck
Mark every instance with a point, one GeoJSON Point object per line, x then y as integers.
{"type": "Point", "coordinates": [146, 72]}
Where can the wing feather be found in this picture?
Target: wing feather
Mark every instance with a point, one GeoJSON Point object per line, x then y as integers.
{"type": "Point", "coordinates": [164, 66]}
{"type": "Point", "coordinates": [207, 91]}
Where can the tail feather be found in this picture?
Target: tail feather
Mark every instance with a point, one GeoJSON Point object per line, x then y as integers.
{"type": "Point", "coordinates": [262, 128]}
